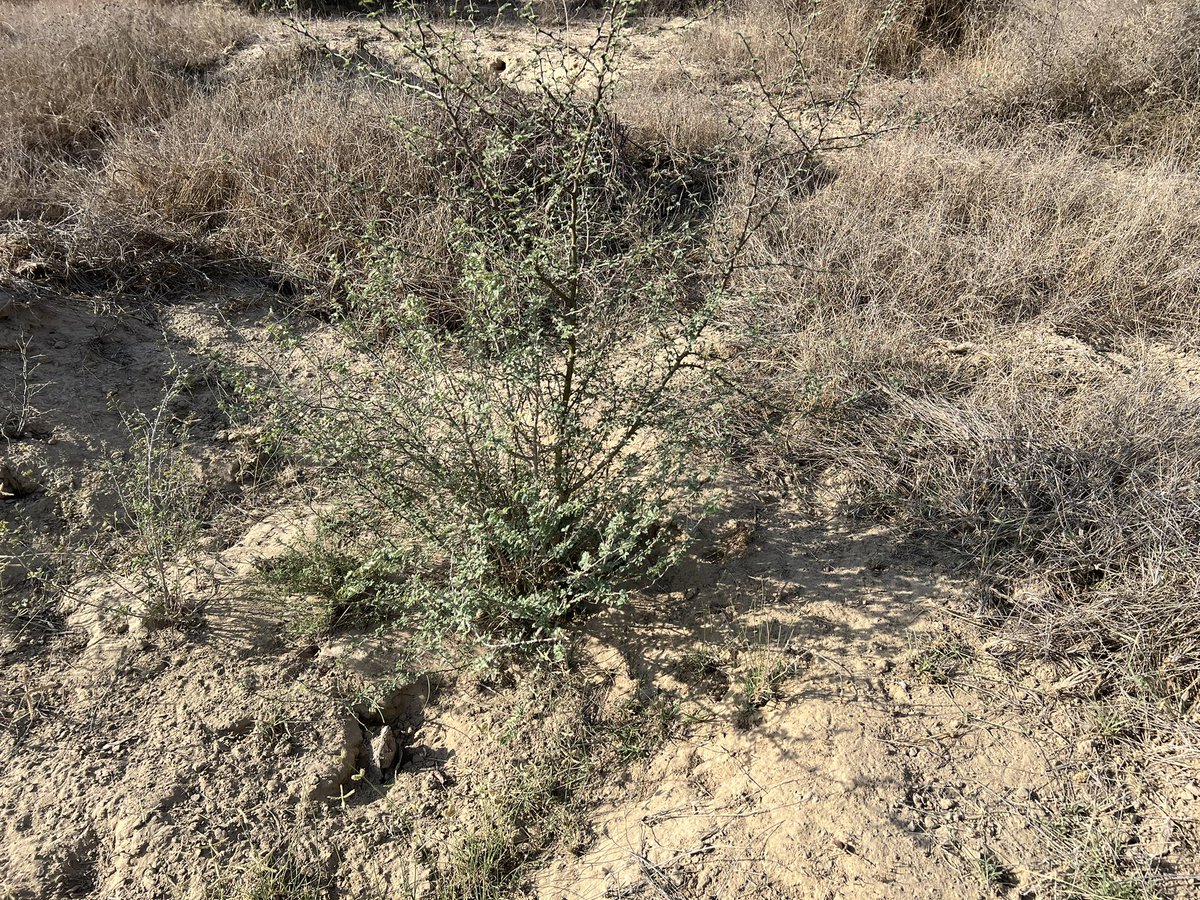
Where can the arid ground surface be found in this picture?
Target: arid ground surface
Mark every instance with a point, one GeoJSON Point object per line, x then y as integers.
{"type": "Point", "coordinates": [849, 350]}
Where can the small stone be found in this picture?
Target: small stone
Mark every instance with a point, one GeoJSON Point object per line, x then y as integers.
{"type": "Point", "coordinates": [946, 804]}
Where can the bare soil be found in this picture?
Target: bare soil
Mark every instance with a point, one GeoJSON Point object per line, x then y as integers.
{"type": "Point", "coordinates": [842, 721]}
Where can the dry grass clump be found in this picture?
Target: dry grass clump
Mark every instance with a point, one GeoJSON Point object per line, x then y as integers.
{"type": "Point", "coordinates": [968, 237]}
{"type": "Point", "coordinates": [288, 164]}
{"type": "Point", "coordinates": [1081, 507]}
{"type": "Point", "coordinates": [1125, 77]}
{"type": "Point", "coordinates": [288, 173]}
{"type": "Point", "coordinates": [822, 40]}
{"type": "Point", "coordinates": [671, 114]}
{"type": "Point", "coordinates": [1069, 480]}
{"type": "Point", "coordinates": [73, 74]}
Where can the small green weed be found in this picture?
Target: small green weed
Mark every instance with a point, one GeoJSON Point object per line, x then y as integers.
{"type": "Point", "coordinates": [1098, 859]}
{"type": "Point", "coordinates": [162, 504]}
{"type": "Point", "coordinates": [941, 658]}
{"type": "Point", "coordinates": [281, 872]}
{"type": "Point", "coordinates": [994, 877]}
{"type": "Point", "coordinates": [763, 660]}
{"type": "Point", "coordinates": [332, 581]}
{"type": "Point", "coordinates": [763, 676]}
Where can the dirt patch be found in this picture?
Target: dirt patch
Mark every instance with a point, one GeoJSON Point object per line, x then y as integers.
{"type": "Point", "coordinates": [809, 706]}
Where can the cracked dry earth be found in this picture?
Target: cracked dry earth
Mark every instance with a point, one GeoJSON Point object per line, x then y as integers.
{"type": "Point", "coordinates": [839, 728]}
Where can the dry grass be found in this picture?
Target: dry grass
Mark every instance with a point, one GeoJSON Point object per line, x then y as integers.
{"type": "Point", "coordinates": [74, 74]}
{"type": "Point", "coordinates": [1123, 78]}
{"type": "Point", "coordinates": [1067, 479]}
{"type": "Point", "coordinates": [669, 113]}
{"type": "Point", "coordinates": [921, 333]}
{"type": "Point", "coordinates": [291, 173]}
{"type": "Point", "coordinates": [822, 41]}
{"type": "Point", "coordinates": [286, 166]}
{"type": "Point", "coordinates": [965, 237]}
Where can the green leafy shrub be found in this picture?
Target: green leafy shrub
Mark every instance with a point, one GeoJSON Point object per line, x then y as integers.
{"type": "Point", "coordinates": [519, 428]}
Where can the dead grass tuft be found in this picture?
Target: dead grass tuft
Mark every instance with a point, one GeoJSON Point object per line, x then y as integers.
{"type": "Point", "coordinates": [1067, 479]}
{"type": "Point", "coordinates": [822, 41]}
{"type": "Point", "coordinates": [73, 74]}
{"type": "Point", "coordinates": [290, 173]}
{"type": "Point", "coordinates": [964, 237]}
{"type": "Point", "coordinates": [1122, 77]}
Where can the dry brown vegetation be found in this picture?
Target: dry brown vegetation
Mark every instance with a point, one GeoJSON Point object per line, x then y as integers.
{"type": "Point", "coordinates": [1124, 81]}
{"type": "Point", "coordinates": [962, 238]}
{"type": "Point", "coordinates": [75, 76]}
{"type": "Point", "coordinates": [970, 315]}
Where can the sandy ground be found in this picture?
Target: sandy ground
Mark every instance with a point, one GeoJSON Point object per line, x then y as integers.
{"type": "Point", "coordinates": [896, 750]}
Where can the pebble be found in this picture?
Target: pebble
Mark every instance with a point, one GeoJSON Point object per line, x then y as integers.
{"type": "Point", "coordinates": [946, 804]}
